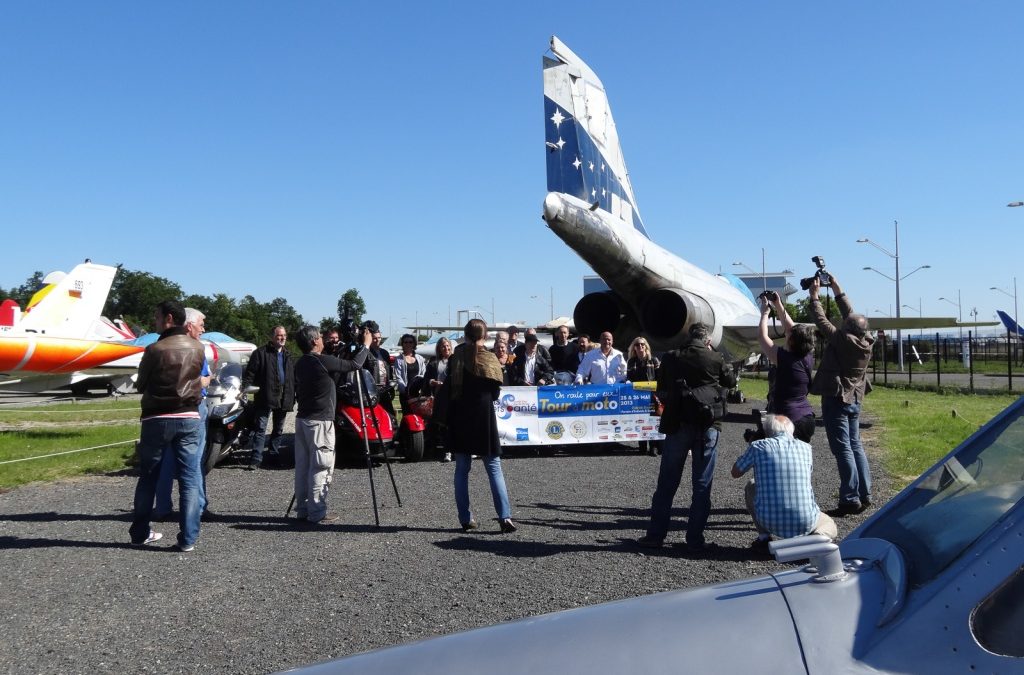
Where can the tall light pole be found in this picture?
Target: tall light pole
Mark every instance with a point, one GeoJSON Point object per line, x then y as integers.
{"type": "Point", "coordinates": [1015, 319]}
{"type": "Point", "coordinates": [896, 257]}
{"type": "Point", "coordinates": [959, 314]}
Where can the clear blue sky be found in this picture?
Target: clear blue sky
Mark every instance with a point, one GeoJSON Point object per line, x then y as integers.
{"type": "Point", "coordinates": [300, 149]}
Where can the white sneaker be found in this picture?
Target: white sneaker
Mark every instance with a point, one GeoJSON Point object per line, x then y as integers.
{"type": "Point", "coordinates": [153, 536]}
{"type": "Point", "coordinates": [447, 457]}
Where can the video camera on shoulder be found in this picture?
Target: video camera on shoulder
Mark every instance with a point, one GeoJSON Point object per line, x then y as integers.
{"type": "Point", "coordinates": [823, 277]}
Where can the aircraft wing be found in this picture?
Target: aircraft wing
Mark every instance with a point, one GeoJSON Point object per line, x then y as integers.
{"type": "Point", "coordinates": [904, 323]}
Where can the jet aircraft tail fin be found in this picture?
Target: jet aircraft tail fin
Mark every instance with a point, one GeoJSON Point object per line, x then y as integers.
{"type": "Point", "coordinates": [584, 158]}
{"type": "Point", "coordinates": [1010, 324]}
{"type": "Point", "coordinates": [68, 306]}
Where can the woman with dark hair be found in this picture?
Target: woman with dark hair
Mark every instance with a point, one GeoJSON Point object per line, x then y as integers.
{"type": "Point", "coordinates": [433, 378]}
{"type": "Point", "coordinates": [792, 364]}
{"type": "Point", "coordinates": [470, 390]}
{"type": "Point", "coordinates": [410, 368]}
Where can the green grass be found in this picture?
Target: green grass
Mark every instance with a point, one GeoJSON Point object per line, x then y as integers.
{"type": "Point", "coordinates": [915, 428]}
{"type": "Point", "coordinates": [43, 430]}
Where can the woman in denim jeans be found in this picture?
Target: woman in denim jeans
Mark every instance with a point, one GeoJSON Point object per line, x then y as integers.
{"type": "Point", "coordinates": [473, 382]}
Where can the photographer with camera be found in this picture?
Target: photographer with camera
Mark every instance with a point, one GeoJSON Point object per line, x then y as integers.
{"type": "Point", "coordinates": [780, 497]}
{"type": "Point", "coordinates": [698, 368]}
{"type": "Point", "coordinates": [841, 381]}
{"type": "Point", "coordinates": [791, 366]}
{"type": "Point", "coordinates": [378, 362]}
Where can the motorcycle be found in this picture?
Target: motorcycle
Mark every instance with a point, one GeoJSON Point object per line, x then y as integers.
{"type": "Point", "coordinates": [380, 427]}
{"type": "Point", "coordinates": [226, 411]}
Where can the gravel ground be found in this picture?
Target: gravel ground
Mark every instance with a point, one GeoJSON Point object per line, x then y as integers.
{"type": "Point", "coordinates": [259, 595]}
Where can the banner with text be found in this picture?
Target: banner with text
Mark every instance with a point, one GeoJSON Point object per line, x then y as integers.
{"type": "Point", "coordinates": [575, 414]}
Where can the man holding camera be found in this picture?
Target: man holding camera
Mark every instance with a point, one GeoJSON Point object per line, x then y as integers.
{"type": "Point", "coordinates": [780, 497]}
{"type": "Point", "coordinates": [842, 383]}
{"type": "Point", "coordinates": [697, 366]}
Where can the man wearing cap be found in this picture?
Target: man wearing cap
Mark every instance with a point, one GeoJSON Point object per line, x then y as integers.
{"type": "Point", "coordinates": [531, 367]}
{"type": "Point", "coordinates": [513, 339]}
{"type": "Point", "coordinates": [518, 351]}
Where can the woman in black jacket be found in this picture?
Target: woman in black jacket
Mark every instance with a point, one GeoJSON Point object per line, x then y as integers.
{"type": "Point", "coordinates": [470, 390]}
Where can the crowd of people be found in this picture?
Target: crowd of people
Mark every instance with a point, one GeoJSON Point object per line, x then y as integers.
{"type": "Point", "coordinates": [464, 382]}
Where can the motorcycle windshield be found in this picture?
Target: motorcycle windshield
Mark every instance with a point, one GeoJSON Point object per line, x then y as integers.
{"type": "Point", "coordinates": [228, 376]}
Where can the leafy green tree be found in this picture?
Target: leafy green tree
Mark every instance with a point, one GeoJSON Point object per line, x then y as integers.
{"type": "Point", "coordinates": [356, 306]}
{"type": "Point", "coordinates": [219, 311]}
{"type": "Point", "coordinates": [133, 295]}
{"type": "Point", "coordinates": [280, 313]}
{"type": "Point", "coordinates": [22, 294]}
{"type": "Point", "coordinates": [801, 311]}
{"type": "Point", "coordinates": [328, 323]}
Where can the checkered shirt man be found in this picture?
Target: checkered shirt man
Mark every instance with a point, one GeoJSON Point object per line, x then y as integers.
{"type": "Point", "coordinates": [784, 503]}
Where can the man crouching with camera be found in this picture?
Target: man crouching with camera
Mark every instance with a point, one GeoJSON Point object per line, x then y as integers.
{"type": "Point", "coordinates": [841, 381]}
{"type": "Point", "coordinates": [780, 497]}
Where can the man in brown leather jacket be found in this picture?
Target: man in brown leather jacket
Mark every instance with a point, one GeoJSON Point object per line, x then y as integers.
{"type": "Point", "coordinates": [169, 379]}
{"type": "Point", "coordinates": [842, 384]}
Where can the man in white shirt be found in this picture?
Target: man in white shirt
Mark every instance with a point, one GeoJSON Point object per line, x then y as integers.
{"type": "Point", "coordinates": [606, 365]}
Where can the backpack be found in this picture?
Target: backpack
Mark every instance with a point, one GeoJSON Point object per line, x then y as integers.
{"type": "Point", "coordinates": [701, 406]}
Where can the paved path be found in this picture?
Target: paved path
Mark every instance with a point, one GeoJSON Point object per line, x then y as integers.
{"type": "Point", "coordinates": [259, 595]}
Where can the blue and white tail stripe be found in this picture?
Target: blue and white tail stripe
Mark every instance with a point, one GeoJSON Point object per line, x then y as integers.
{"type": "Point", "coordinates": [1008, 321]}
{"type": "Point", "coordinates": [588, 168]}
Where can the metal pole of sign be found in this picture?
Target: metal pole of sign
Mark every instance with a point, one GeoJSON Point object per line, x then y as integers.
{"type": "Point", "coordinates": [970, 354]}
{"type": "Point", "coordinates": [938, 363]}
{"type": "Point", "coordinates": [885, 359]}
{"type": "Point", "coordinates": [1009, 361]}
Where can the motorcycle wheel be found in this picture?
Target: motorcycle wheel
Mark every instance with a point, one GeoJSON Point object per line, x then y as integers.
{"type": "Point", "coordinates": [211, 455]}
{"type": "Point", "coordinates": [412, 445]}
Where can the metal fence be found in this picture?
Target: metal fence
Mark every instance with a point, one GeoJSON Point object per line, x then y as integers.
{"type": "Point", "coordinates": [989, 363]}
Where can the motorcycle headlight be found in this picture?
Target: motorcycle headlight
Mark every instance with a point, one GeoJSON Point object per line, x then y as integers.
{"type": "Point", "coordinates": [221, 409]}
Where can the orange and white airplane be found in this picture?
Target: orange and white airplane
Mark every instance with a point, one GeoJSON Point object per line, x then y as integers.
{"type": "Point", "coordinates": [59, 338]}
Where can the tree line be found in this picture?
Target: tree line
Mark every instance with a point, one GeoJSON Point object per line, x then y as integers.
{"type": "Point", "coordinates": [134, 294]}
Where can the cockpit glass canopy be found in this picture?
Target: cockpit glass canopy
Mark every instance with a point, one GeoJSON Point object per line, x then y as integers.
{"type": "Point", "coordinates": [958, 500]}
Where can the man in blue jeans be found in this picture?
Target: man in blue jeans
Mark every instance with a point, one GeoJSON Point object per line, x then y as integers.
{"type": "Point", "coordinates": [842, 383]}
{"type": "Point", "coordinates": [169, 379]}
{"type": "Point", "coordinates": [694, 366]}
{"type": "Point", "coordinates": [195, 325]}
{"type": "Point", "coordinates": [272, 369]}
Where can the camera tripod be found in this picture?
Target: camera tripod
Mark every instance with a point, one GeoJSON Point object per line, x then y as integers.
{"type": "Point", "coordinates": [364, 394]}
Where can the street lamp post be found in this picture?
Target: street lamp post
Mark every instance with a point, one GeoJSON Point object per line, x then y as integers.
{"type": "Point", "coordinates": [920, 331]}
{"type": "Point", "coordinates": [745, 266]}
{"type": "Point", "coordinates": [1016, 320]}
{"type": "Point", "coordinates": [959, 314]}
{"type": "Point", "coordinates": [896, 257]}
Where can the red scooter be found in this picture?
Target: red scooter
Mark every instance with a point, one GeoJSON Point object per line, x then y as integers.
{"type": "Point", "coordinates": [380, 427]}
